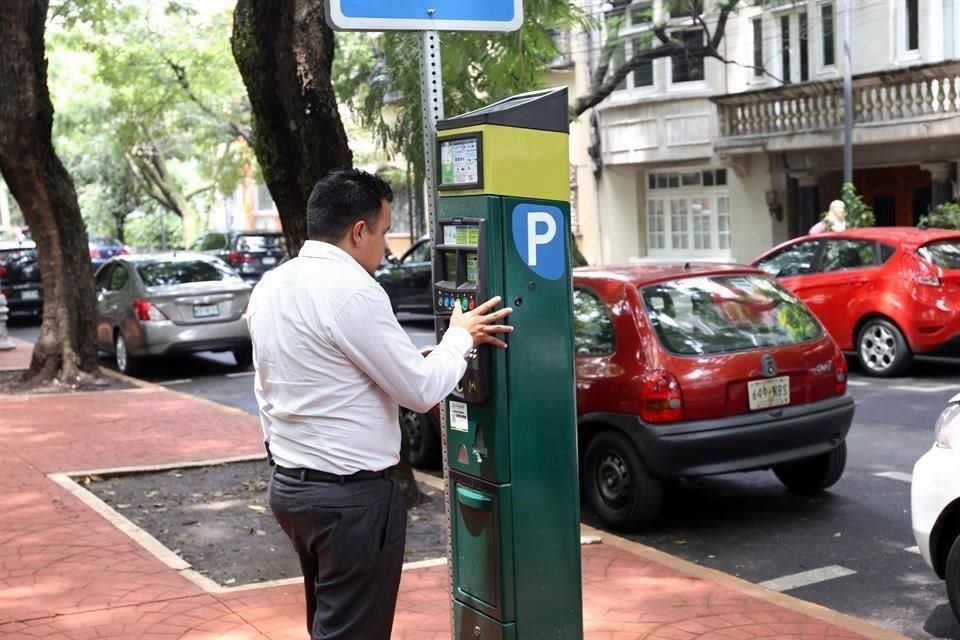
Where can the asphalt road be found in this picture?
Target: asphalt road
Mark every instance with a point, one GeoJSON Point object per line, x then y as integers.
{"type": "Point", "coordinates": [855, 540]}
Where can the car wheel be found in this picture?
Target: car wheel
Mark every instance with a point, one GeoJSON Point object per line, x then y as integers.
{"type": "Point", "coordinates": [422, 437]}
{"type": "Point", "coordinates": [953, 577]}
{"type": "Point", "coordinates": [244, 356]}
{"type": "Point", "coordinates": [882, 349]}
{"type": "Point", "coordinates": [618, 486]}
{"type": "Point", "coordinates": [813, 475]}
{"type": "Point", "coordinates": [126, 363]}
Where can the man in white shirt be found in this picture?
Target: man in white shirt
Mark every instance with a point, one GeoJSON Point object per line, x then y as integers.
{"type": "Point", "coordinates": [835, 220]}
{"type": "Point", "coordinates": [332, 363]}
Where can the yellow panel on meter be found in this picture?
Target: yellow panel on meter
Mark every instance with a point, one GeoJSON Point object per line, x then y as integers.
{"type": "Point", "coordinates": [514, 161]}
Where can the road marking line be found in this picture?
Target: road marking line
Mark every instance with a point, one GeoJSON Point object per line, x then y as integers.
{"type": "Point", "coordinates": [170, 383]}
{"type": "Point", "coordinates": [925, 389]}
{"type": "Point", "coordinates": [804, 578]}
{"type": "Point", "coordinates": [240, 374]}
{"type": "Point", "coordinates": [896, 475]}
{"type": "Point", "coordinates": [914, 549]}
{"type": "Point", "coordinates": [857, 383]}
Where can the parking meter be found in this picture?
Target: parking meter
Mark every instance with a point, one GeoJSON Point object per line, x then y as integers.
{"type": "Point", "coordinates": [503, 228]}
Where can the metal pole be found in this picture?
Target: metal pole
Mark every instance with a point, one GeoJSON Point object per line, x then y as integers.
{"type": "Point", "coordinates": [847, 96]}
{"type": "Point", "coordinates": [431, 99]}
{"type": "Point", "coordinates": [431, 93]}
{"type": "Point", "coordinates": [163, 229]}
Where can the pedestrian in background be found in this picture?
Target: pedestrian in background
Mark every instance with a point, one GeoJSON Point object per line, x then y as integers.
{"type": "Point", "coordinates": [835, 220]}
{"type": "Point", "coordinates": [332, 364]}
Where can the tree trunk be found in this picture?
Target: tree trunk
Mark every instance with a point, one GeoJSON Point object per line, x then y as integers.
{"type": "Point", "coordinates": [284, 50]}
{"type": "Point", "coordinates": [402, 473]}
{"type": "Point", "coordinates": [66, 348]}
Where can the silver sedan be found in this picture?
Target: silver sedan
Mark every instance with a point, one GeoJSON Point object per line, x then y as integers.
{"type": "Point", "coordinates": [170, 303]}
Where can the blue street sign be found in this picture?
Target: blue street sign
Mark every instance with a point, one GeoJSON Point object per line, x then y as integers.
{"type": "Point", "coordinates": [425, 15]}
{"type": "Point", "coordinates": [540, 236]}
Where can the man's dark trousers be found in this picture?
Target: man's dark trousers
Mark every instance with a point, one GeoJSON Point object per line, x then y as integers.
{"type": "Point", "coordinates": [350, 538]}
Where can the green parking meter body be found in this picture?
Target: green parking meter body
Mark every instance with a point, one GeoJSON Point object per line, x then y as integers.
{"type": "Point", "coordinates": [502, 228]}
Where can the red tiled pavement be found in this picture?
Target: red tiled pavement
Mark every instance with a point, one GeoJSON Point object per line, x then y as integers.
{"type": "Point", "coordinates": [66, 572]}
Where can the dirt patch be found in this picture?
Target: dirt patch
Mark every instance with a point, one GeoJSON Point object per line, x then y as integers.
{"type": "Point", "coordinates": [217, 519]}
{"type": "Point", "coordinates": [14, 382]}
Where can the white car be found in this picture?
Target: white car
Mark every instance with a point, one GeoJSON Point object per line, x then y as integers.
{"type": "Point", "coordinates": [935, 501]}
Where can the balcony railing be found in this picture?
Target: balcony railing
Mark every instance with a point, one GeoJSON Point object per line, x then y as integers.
{"type": "Point", "coordinates": [885, 97]}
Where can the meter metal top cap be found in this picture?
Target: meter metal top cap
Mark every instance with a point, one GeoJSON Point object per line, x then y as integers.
{"type": "Point", "coordinates": [544, 110]}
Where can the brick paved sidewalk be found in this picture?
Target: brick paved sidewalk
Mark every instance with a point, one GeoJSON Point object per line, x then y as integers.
{"type": "Point", "coordinates": [68, 570]}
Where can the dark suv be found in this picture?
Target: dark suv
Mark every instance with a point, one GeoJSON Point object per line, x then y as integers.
{"type": "Point", "coordinates": [20, 277]}
{"type": "Point", "coordinates": [251, 253]}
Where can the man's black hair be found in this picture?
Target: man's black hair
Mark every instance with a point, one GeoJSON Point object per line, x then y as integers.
{"type": "Point", "coordinates": [340, 199]}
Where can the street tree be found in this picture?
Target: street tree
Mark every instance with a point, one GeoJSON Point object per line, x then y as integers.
{"type": "Point", "coordinates": [172, 109]}
{"type": "Point", "coordinates": [284, 50]}
{"type": "Point", "coordinates": [612, 67]}
{"type": "Point", "coordinates": [65, 349]}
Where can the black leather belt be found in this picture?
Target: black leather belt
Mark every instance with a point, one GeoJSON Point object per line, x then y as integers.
{"type": "Point", "coordinates": [312, 475]}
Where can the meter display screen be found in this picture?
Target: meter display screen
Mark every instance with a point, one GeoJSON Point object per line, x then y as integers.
{"type": "Point", "coordinates": [472, 263]}
{"type": "Point", "coordinates": [460, 163]}
{"type": "Point", "coordinates": [462, 235]}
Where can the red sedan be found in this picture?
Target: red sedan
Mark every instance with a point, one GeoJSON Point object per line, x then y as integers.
{"type": "Point", "coordinates": [886, 293]}
{"type": "Point", "coordinates": [694, 369]}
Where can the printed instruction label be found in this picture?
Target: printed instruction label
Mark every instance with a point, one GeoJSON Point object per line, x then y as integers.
{"type": "Point", "coordinates": [458, 416]}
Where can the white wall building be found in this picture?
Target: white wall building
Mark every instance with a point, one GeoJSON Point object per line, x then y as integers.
{"type": "Point", "coordinates": [706, 160]}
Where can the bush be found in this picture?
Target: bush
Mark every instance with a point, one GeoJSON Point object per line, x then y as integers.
{"type": "Point", "coordinates": [942, 216]}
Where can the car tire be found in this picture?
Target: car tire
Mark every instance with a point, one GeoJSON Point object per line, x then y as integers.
{"type": "Point", "coordinates": [813, 475]}
{"type": "Point", "coordinates": [953, 577]}
{"type": "Point", "coordinates": [422, 437]}
{"type": "Point", "coordinates": [882, 349]}
{"type": "Point", "coordinates": [126, 363]}
{"type": "Point", "coordinates": [243, 356]}
{"type": "Point", "coordinates": [624, 495]}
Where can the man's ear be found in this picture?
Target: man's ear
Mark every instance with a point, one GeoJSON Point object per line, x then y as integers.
{"type": "Point", "coordinates": [356, 231]}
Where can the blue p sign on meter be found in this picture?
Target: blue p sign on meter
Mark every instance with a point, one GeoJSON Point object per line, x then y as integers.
{"type": "Point", "coordinates": [540, 236]}
{"type": "Point", "coordinates": [425, 15]}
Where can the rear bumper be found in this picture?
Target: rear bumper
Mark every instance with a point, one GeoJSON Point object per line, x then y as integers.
{"type": "Point", "coordinates": [168, 338]}
{"type": "Point", "coordinates": [742, 443]}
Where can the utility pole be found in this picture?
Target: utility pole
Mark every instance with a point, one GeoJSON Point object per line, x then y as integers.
{"type": "Point", "coordinates": [847, 96]}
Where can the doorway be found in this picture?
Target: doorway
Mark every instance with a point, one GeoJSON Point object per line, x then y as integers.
{"type": "Point", "coordinates": [898, 195]}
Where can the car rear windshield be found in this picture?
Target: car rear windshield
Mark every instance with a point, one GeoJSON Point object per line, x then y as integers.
{"type": "Point", "coordinates": [259, 243]}
{"type": "Point", "coordinates": [723, 314]}
{"type": "Point", "coordinates": [160, 274]}
{"type": "Point", "coordinates": [945, 253]}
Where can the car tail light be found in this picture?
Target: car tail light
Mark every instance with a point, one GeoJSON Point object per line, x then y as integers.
{"type": "Point", "coordinates": [840, 372]}
{"type": "Point", "coordinates": [3, 271]}
{"type": "Point", "coordinates": [922, 272]}
{"type": "Point", "coordinates": [123, 252]}
{"type": "Point", "coordinates": [94, 253]}
{"type": "Point", "coordinates": [146, 311]}
{"type": "Point", "coordinates": [6, 292]}
{"type": "Point", "coordinates": [236, 256]}
{"type": "Point", "coordinates": [660, 398]}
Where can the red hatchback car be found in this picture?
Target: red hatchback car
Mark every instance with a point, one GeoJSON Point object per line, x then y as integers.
{"type": "Point", "coordinates": [886, 293]}
{"type": "Point", "coordinates": [698, 369]}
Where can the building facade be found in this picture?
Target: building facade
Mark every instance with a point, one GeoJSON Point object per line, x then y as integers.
{"type": "Point", "coordinates": [701, 159]}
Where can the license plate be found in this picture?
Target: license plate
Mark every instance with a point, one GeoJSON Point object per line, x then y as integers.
{"type": "Point", "coordinates": [764, 394]}
{"type": "Point", "coordinates": [269, 260]}
{"type": "Point", "coordinates": [30, 294]}
{"type": "Point", "coordinates": [205, 310]}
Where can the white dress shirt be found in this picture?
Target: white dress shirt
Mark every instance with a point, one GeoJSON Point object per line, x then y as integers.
{"type": "Point", "coordinates": [332, 363]}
